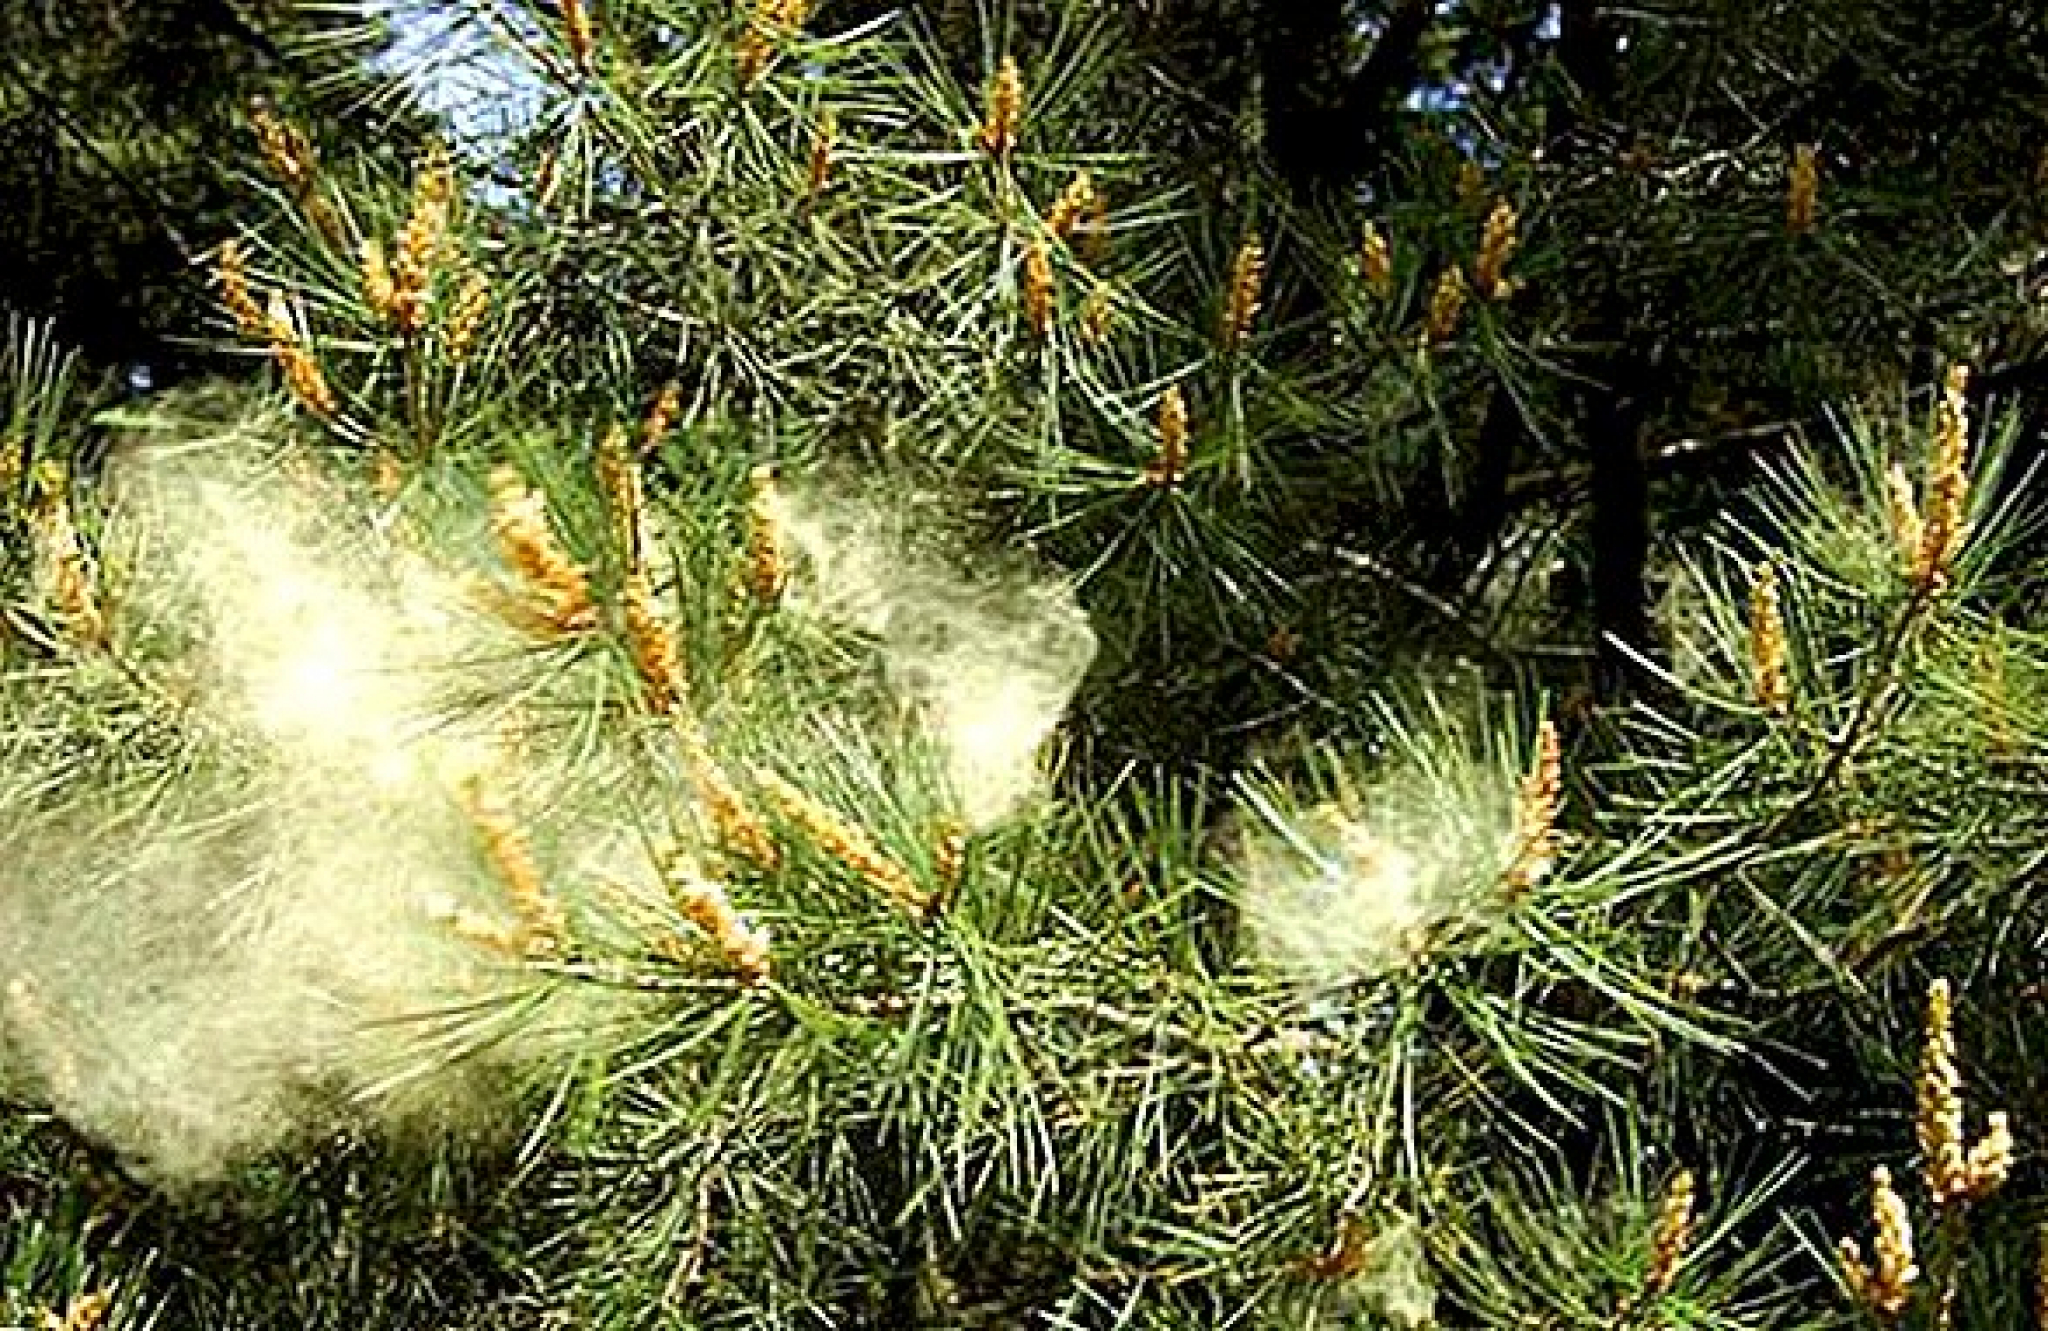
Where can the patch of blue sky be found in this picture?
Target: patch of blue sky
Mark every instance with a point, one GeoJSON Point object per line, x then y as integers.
{"type": "Point", "coordinates": [456, 58]}
{"type": "Point", "coordinates": [1449, 99]}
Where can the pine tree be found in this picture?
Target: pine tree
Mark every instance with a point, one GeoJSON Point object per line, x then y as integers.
{"type": "Point", "coordinates": [843, 633]}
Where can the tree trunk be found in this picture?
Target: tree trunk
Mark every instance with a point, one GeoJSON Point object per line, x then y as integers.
{"type": "Point", "coordinates": [1614, 415]}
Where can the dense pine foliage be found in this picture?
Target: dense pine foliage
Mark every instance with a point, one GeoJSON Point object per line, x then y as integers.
{"type": "Point", "coordinates": [1052, 664]}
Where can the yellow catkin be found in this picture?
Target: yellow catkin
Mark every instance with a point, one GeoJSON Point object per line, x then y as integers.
{"type": "Point", "coordinates": [413, 275]}
{"type": "Point", "coordinates": [292, 160]}
{"type": "Point", "coordinates": [738, 829]}
{"type": "Point", "coordinates": [544, 929]}
{"type": "Point", "coordinates": [1247, 285]}
{"type": "Point", "coordinates": [1446, 306]}
{"type": "Point", "coordinates": [997, 134]}
{"type": "Point", "coordinates": [1990, 1159]}
{"type": "Point", "coordinates": [286, 151]}
{"type": "Point", "coordinates": [792, 16]}
{"type": "Point", "coordinates": [653, 647]}
{"type": "Point", "coordinates": [618, 476]}
{"type": "Point", "coordinates": [1075, 204]}
{"type": "Point", "coordinates": [1938, 1112]}
{"type": "Point", "coordinates": [1955, 1170]}
{"type": "Point", "coordinates": [1902, 512]}
{"type": "Point", "coordinates": [768, 562]}
{"type": "Point", "coordinates": [1170, 465]}
{"type": "Point", "coordinates": [772, 22]}
{"type": "Point", "coordinates": [420, 241]}
{"type": "Point", "coordinates": [12, 450]}
{"type": "Point", "coordinates": [302, 373]}
{"type": "Point", "coordinates": [1537, 804]}
{"type": "Point", "coordinates": [72, 586]}
{"type": "Point", "coordinates": [824, 150]}
{"type": "Point", "coordinates": [1942, 528]}
{"type": "Point", "coordinates": [1802, 190]}
{"type": "Point", "coordinates": [380, 293]}
{"type": "Point", "coordinates": [413, 278]}
{"type": "Point", "coordinates": [1769, 678]}
{"type": "Point", "coordinates": [1885, 1287]}
{"type": "Point", "coordinates": [68, 566]}
{"type": "Point", "coordinates": [1672, 1236]}
{"type": "Point", "coordinates": [1498, 240]}
{"type": "Point", "coordinates": [306, 380]}
{"type": "Point", "coordinates": [750, 54]}
{"type": "Point", "coordinates": [579, 32]}
{"type": "Point", "coordinates": [848, 844]}
{"type": "Point", "coordinates": [743, 945]}
{"type": "Point", "coordinates": [87, 1312]}
{"type": "Point", "coordinates": [466, 318]}
{"type": "Point", "coordinates": [558, 589]}
{"type": "Point", "coordinates": [1038, 288]}
{"type": "Point", "coordinates": [1097, 310]}
{"type": "Point", "coordinates": [661, 417]}
{"type": "Point", "coordinates": [231, 271]}
{"type": "Point", "coordinates": [1376, 262]}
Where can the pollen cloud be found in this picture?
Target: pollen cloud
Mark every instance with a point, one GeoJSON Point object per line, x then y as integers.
{"type": "Point", "coordinates": [990, 658]}
{"type": "Point", "coordinates": [208, 927]}
{"type": "Point", "coordinates": [1354, 886]}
